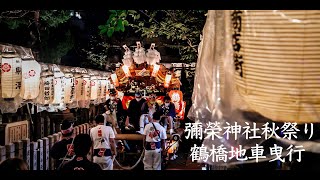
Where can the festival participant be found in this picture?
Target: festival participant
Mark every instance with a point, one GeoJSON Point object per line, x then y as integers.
{"type": "Point", "coordinates": [63, 149]}
{"type": "Point", "coordinates": [104, 147]}
{"type": "Point", "coordinates": [114, 107]}
{"type": "Point", "coordinates": [169, 113]}
{"type": "Point", "coordinates": [148, 108]}
{"type": "Point", "coordinates": [134, 111]}
{"type": "Point", "coordinates": [82, 144]}
{"type": "Point", "coordinates": [154, 143]}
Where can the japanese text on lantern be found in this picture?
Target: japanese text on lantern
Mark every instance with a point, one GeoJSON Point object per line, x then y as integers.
{"type": "Point", "coordinates": [237, 57]}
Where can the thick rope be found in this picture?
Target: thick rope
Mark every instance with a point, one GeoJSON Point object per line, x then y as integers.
{"type": "Point", "coordinates": [129, 168]}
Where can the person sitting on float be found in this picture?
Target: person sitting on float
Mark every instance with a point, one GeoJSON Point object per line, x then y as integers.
{"type": "Point", "coordinates": [148, 108]}
{"type": "Point", "coordinates": [169, 113]}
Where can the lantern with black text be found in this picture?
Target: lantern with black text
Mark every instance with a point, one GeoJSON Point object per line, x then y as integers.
{"type": "Point", "coordinates": [70, 89]}
{"type": "Point", "coordinates": [59, 89]}
{"type": "Point", "coordinates": [10, 73]}
{"type": "Point", "coordinates": [93, 88]}
{"type": "Point", "coordinates": [46, 93]}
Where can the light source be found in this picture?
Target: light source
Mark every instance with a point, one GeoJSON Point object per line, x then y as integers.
{"type": "Point", "coordinates": [167, 80]}
{"type": "Point", "coordinates": [155, 70]}
{"type": "Point", "coordinates": [126, 70]}
{"type": "Point", "coordinates": [115, 80]}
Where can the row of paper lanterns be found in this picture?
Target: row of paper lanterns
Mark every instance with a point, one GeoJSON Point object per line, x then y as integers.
{"type": "Point", "coordinates": [49, 86]}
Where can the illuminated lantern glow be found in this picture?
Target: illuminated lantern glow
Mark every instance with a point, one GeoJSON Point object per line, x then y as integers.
{"type": "Point", "coordinates": [126, 71]}
{"type": "Point", "coordinates": [70, 89]}
{"type": "Point", "coordinates": [86, 92]}
{"type": "Point", "coordinates": [93, 88]}
{"type": "Point", "coordinates": [46, 92]}
{"type": "Point", "coordinates": [59, 91]}
{"type": "Point", "coordinates": [79, 87]}
{"type": "Point", "coordinates": [104, 88]}
{"type": "Point", "coordinates": [155, 70]}
{"type": "Point", "coordinates": [30, 85]}
{"type": "Point", "coordinates": [115, 80]}
{"type": "Point", "coordinates": [58, 85]}
{"type": "Point", "coordinates": [11, 76]}
{"type": "Point", "coordinates": [99, 83]}
{"type": "Point", "coordinates": [167, 80]}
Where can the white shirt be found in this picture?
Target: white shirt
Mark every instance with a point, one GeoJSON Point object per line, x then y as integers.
{"type": "Point", "coordinates": [151, 135]}
{"type": "Point", "coordinates": [100, 136]}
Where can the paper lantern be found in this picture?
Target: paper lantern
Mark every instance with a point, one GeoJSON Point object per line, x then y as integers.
{"type": "Point", "coordinates": [93, 88]}
{"type": "Point", "coordinates": [103, 92]}
{"type": "Point", "coordinates": [126, 71]}
{"type": "Point", "coordinates": [58, 83]}
{"type": "Point", "coordinates": [46, 92]}
{"type": "Point", "coordinates": [30, 85]}
{"type": "Point", "coordinates": [155, 70]}
{"type": "Point", "coordinates": [79, 87]}
{"type": "Point", "coordinates": [167, 80]}
{"type": "Point", "coordinates": [114, 79]}
{"type": "Point", "coordinates": [85, 92]}
{"type": "Point", "coordinates": [11, 76]}
{"type": "Point", "coordinates": [277, 61]}
{"type": "Point", "coordinates": [70, 88]}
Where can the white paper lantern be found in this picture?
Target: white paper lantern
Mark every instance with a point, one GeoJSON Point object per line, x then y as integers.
{"type": "Point", "coordinates": [84, 91]}
{"type": "Point", "coordinates": [94, 88]}
{"type": "Point", "coordinates": [104, 84]}
{"type": "Point", "coordinates": [277, 56]}
{"type": "Point", "coordinates": [58, 85]}
{"type": "Point", "coordinates": [79, 87]}
{"type": "Point", "coordinates": [30, 85]}
{"type": "Point", "coordinates": [10, 75]}
{"type": "Point", "coordinates": [70, 89]}
{"type": "Point", "coordinates": [46, 92]}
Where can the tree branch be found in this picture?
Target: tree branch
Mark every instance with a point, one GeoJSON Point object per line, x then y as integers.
{"type": "Point", "coordinates": [14, 14]}
{"type": "Point", "coordinates": [149, 17]}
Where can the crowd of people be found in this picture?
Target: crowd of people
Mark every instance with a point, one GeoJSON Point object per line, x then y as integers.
{"type": "Point", "coordinates": [143, 116]}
